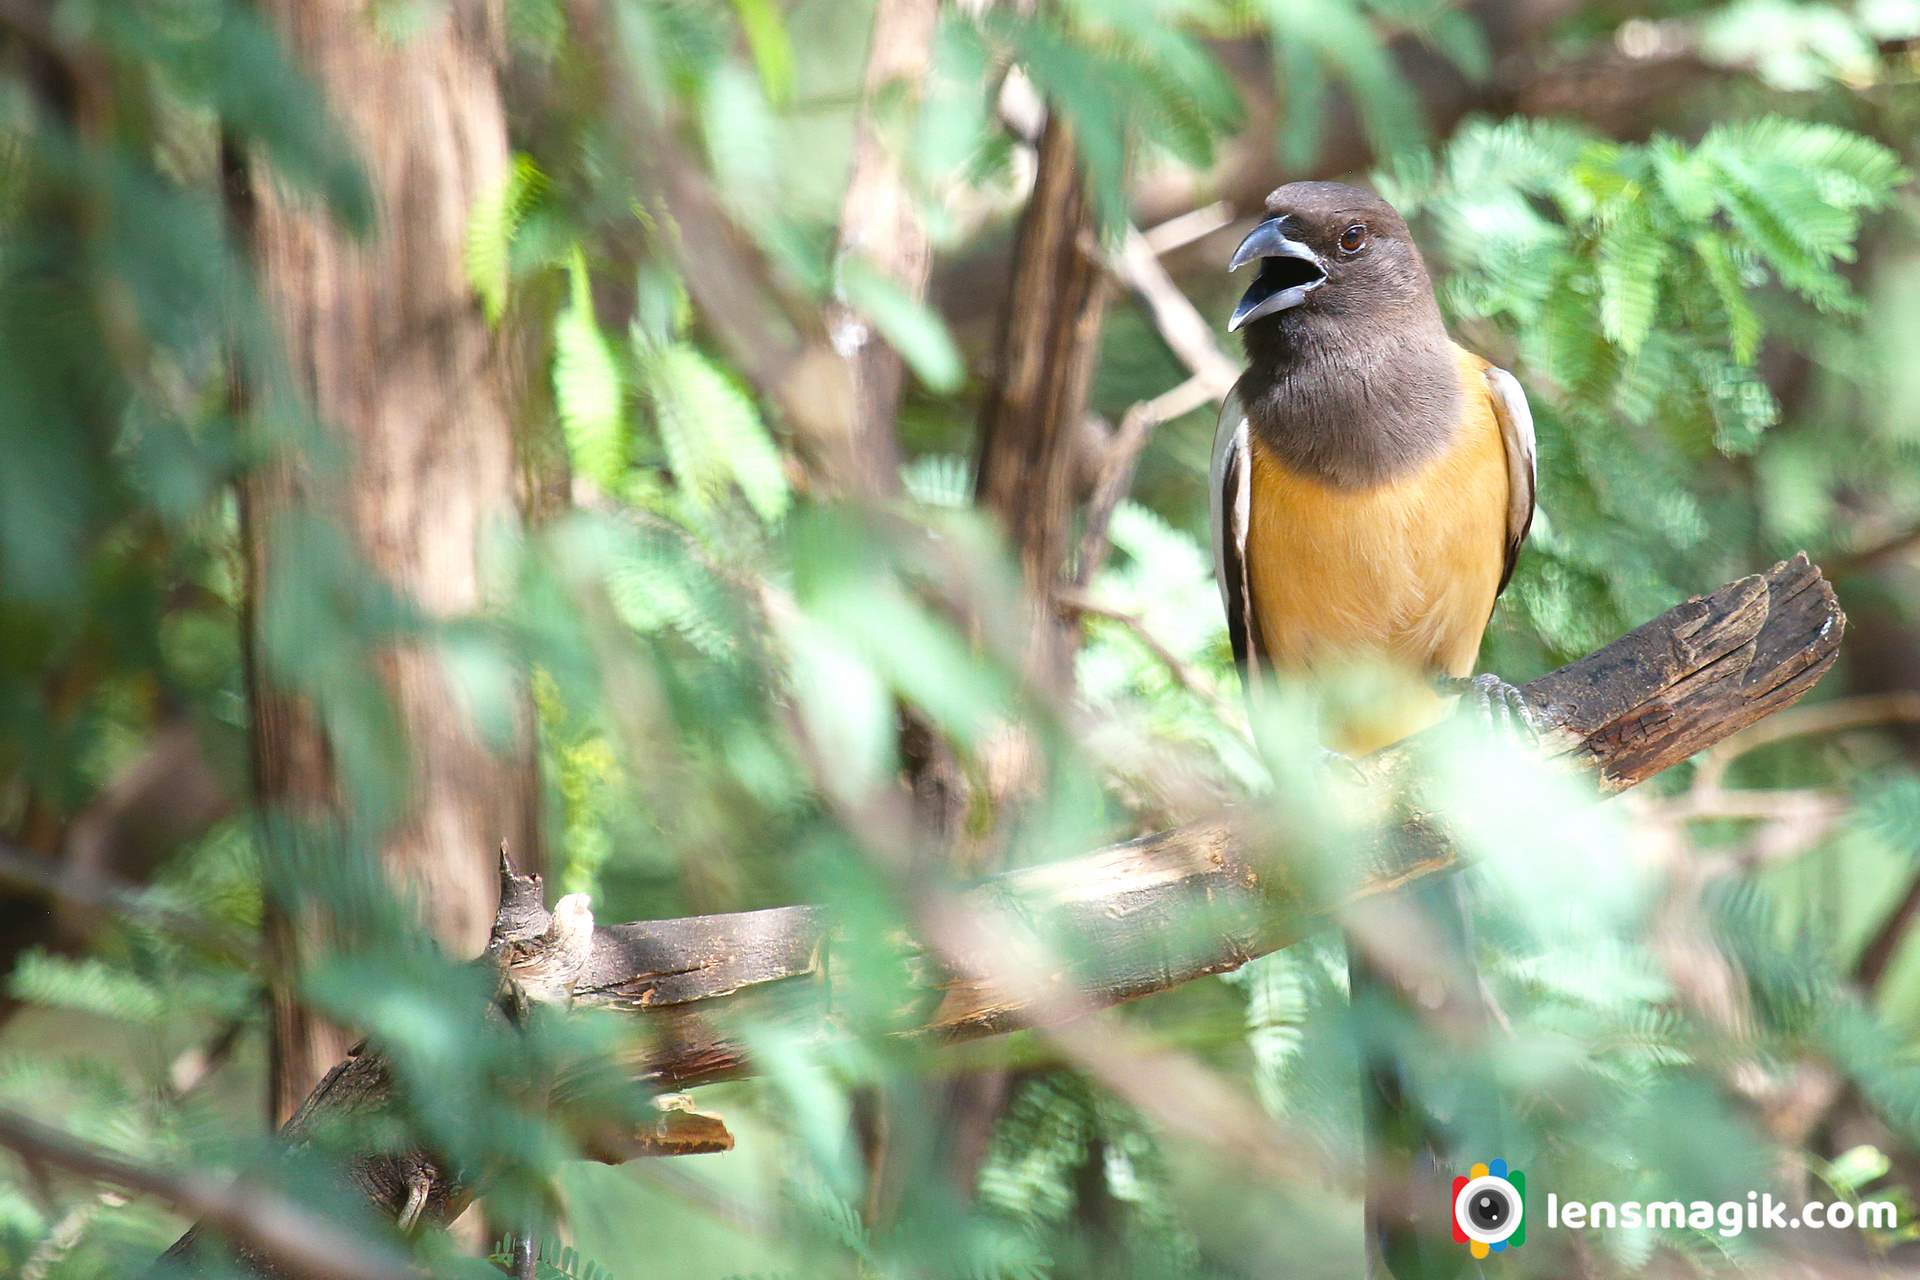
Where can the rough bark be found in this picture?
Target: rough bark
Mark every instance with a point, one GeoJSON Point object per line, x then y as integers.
{"type": "Point", "coordinates": [1150, 914]}
{"type": "Point", "coordinates": [1028, 428]}
{"type": "Point", "coordinates": [391, 350]}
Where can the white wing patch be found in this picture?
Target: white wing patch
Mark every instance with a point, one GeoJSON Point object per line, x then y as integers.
{"type": "Point", "coordinates": [1229, 494]}
{"type": "Point", "coordinates": [1516, 432]}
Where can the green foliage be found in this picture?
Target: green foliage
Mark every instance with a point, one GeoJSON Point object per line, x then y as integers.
{"type": "Point", "coordinates": [555, 1261]}
{"type": "Point", "coordinates": [711, 431]}
{"type": "Point", "coordinates": [492, 230]}
{"type": "Point", "coordinates": [767, 37]}
{"type": "Point", "coordinates": [1121, 72]}
{"type": "Point", "coordinates": [84, 986]}
{"type": "Point", "coordinates": [916, 333]}
{"type": "Point", "coordinates": [586, 387]}
{"type": "Point", "coordinates": [1625, 280]}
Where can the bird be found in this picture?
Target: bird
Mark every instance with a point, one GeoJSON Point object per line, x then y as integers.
{"type": "Point", "coordinates": [1372, 483]}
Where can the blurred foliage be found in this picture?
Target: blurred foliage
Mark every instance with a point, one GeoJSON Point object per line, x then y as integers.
{"type": "Point", "coordinates": [1620, 277]}
{"type": "Point", "coordinates": [1713, 318]}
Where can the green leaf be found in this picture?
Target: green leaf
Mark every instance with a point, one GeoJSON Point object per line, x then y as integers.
{"type": "Point", "coordinates": [1630, 257]}
{"type": "Point", "coordinates": [712, 431]}
{"type": "Point", "coordinates": [586, 386]}
{"type": "Point", "coordinates": [86, 986]}
{"type": "Point", "coordinates": [910, 327]}
{"type": "Point", "coordinates": [772, 48]}
{"type": "Point", "coordinates": [491, 230]}
{"type": "Point", "coordinates": [1853, 1169]}
{"type": "Point", "coordinates": [1744, 328]}
{"type": "Point", "coordinates": [1341, 38]}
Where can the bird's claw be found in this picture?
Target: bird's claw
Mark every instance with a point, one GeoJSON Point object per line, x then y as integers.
{"type": "Point", "coordinates": [1340, 762]}
{"type": "Point", "coordinates": [1502, 706]}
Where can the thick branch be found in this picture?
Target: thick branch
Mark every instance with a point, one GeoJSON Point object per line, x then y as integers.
{"type": "Point", "coordinates": [1150, 914]}
{"type": "Point", "coordinates": [1692, 676]}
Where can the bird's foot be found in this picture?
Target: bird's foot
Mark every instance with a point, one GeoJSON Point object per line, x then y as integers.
{"type": "Point", "coordinates": [1501, 705]}
{"type": "Point", "coordinates": [1339, 762]}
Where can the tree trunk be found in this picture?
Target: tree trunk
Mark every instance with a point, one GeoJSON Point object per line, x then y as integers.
{"type": "Point", "coordinates": [388, 344]}
{"type": "Point", "coordinates": [1031, 421]}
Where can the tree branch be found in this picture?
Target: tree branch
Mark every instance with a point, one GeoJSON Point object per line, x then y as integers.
{"type": "Point", "coordinates": [290, 1240]}
{"type": "Point", "coordinates": [1028, 424]}
{"type": "Point", "coordinates": [1692, 677]}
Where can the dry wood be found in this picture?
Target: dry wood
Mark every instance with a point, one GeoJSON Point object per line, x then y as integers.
{"type": "Point", "coordinates": [1150, 914]}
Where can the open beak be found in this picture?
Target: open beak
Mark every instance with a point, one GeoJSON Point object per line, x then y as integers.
{"type": "Point", "coordinates": [1289, 271]}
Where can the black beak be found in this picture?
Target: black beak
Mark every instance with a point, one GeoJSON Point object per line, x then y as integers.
{"type": "Point", "coordinates": [1289, 271]}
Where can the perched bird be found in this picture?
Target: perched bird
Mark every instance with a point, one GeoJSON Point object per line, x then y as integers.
{"type": "Point", "coordinates": [1372, 483]}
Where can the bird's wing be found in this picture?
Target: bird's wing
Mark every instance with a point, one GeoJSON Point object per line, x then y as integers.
{"type": "Point", "coordinates": [1229, 489]}
{"type": "Point", "coordinates": [1516, 432]}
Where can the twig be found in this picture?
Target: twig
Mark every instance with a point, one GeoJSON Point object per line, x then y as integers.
{"type": "Point", "coordinates": [1136, 265]}
{"type": "Point", "coordinates": [1227, 710]}
{"type": "Point", "coordinates": [95, 892]}
{"type": "Point", "coordinates": [308, 1246]}
{"type": "Point", "coordinates": [1117, 462]}
{"type": "Point", "coordinates": [1796, 819]}
{"type": "Point", "coordinates": [1877, 956]}
{"type": "Point", "coordinates": [1771, 805]}
{"type": "Point", "coordinates": [1184, 229]}
{"type": "Point", "coordinates": [1213, 374]}
{"type": "Point", "coordinates": [193, 1066]}
{"type": "Point", "coordinates": [66, 1233]}
{"type": "Point", "coordinates": [1897, 707]}
{"type": "Point", "coordinates": [1879, 553]}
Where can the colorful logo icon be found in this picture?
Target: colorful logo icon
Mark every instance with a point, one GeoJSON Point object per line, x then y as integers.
{"type": "Point", "coordinates": [1490, 1209]}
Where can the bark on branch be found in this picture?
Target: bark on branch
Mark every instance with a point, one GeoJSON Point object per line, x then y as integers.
{"type": "Point", "coordinates": [1127, 914]}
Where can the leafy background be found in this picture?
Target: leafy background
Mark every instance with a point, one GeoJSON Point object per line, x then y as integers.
{"type": "Point", "coordinates": [1687, 228]}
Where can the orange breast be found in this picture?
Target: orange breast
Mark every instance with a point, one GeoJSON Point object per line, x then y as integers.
{"type": "Point", "coordinates": [1402, 575]}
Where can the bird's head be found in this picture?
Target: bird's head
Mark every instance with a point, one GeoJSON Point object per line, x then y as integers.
{"type": "Point", "coordinates": [1328, 249]}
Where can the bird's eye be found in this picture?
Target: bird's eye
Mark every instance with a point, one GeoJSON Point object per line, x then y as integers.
{"type": "Point", "coordinates": [1354, 238]}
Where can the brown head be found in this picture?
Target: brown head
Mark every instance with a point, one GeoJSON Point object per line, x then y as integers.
{"type": "Point", "coordinates": [1327, 249]}
{"type": "Point", "coordinates": [1350, 371]}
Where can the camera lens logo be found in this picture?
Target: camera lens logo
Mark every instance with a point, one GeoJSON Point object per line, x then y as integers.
{"type": "Point", "coordinates": [1490, 1209]}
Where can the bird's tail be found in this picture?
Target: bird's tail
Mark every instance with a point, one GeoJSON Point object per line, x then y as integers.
{"type": "Point", "coordinates": [1410, 1153]}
